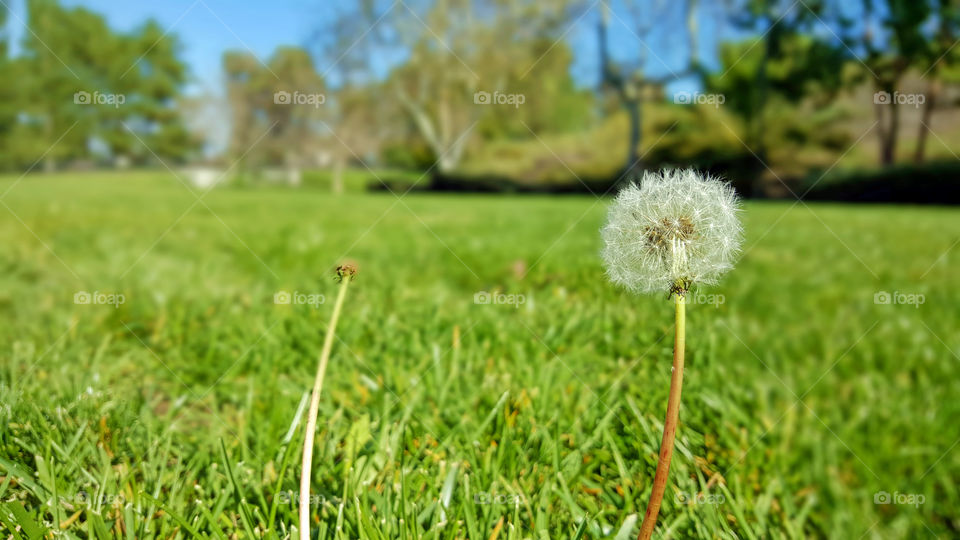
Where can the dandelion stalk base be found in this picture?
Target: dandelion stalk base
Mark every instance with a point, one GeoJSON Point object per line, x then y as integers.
{"type": "Point", "coordinates": [669, 423]}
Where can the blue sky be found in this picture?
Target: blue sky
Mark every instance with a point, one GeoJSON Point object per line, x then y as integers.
{"type": "Point", "coordinates": [207, 28]}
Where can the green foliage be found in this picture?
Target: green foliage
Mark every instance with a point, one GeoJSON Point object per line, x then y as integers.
{"type": "Point", "coordinates": [801, 66]}
{"type": "Point", "coordinates": [48, 78]}
{"type": "Point", "coordinates": [803, 397]}
{"type": "Point", "coordinates": [700, 136]}
{"type": "Point", "coordinates": [784, 90]}
{"type": "Point", "coordinates": [152, 86]}
{"type": "Point", "coordinates": [408, 154]}
{"type": "Point", "coordinates": [905, 21]}
{"type": "Point", "coordinates": [8, 92]}
{"type": "Point", "coordinates": [275, 107]}
{"type": "Point", "coordinates": [552, 101]}
{"type": "Point", "coordinates": [70, 57]}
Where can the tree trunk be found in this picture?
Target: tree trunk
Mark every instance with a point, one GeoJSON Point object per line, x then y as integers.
{"type": "Point", "coordinates": [447, 149]}
{"type": "Point", "coordinates": [888, 125]}
{"type": "Point", "coordinates": [888, 144]}
{"type": "Point", "coordinates": [933, 91]}
{"type": "Point", "coordinates": [446, 163]}
{"type": "Point", "coordinates": [630, 96]}
{"type": "Point", "coordinates": [635, 111]}
{"type": "Point", "coordinates": [49, 161]}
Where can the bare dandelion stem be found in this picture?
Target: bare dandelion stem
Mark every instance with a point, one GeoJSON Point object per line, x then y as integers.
{"type": "Point", "coordinates": [314, 407]}
{"type": "Point", "coordinates": [669, 424]}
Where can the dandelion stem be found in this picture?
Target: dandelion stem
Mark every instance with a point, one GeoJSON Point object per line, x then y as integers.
{"type": "Point", "coordinates": [669, 424]}
{"type": "Point", "coordinates": [314, 407]}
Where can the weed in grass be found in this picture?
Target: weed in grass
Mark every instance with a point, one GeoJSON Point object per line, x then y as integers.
{"type": "Point", "coordinates": [345, 274]}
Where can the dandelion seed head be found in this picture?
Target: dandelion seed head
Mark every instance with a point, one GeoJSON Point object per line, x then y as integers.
{"type": "Point", "coordinates": [676, 228]}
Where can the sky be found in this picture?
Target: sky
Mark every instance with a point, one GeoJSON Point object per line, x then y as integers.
{"type": "Point", "coordinates": [207, 28]}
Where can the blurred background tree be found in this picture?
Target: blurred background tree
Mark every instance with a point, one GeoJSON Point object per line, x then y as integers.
{"type": "Point", "coordinates": [68, 58]}
{"type": "Point", "coordinates": [407, 87]}
{"type": "Point", "coordinates": [152, 84]}
{"type": "Point", "coordinates": [9, 99]}
{"type": "Point", "coordinates": [629, 80]}
{"type": "Point", "coordinates": [904, 50]}
{"type": "Point", "coordinates": [940, 55]}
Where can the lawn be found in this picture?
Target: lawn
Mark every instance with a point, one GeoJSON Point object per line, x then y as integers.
{"type": "Point", "coordinates": [168, 401]}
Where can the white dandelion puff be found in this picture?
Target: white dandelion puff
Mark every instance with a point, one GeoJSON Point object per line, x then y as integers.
{"type": "Point", "coordinates": [676, 228]}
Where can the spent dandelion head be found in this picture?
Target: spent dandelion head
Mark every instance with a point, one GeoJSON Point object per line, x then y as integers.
{"type": "Point", "coordinates": [674, 229]}
{"type": "Point", "coordinates": [347, 269]}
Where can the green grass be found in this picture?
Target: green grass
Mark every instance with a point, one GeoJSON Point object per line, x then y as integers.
{"type": "Point", "coordinates": [173, 414]}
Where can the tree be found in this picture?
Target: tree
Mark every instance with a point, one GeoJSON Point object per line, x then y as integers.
{"type": "Point", "coordinates": [359, 124]}
{"type": "Point", "coordinates": [87, 90]}
{"type": "Point", "coordinates": [297, 104]}
{"type": "Point", "coordinates": [247, 95]}
{"type": "Point", "coordinates": [450, 51]}
{"type": "Point", "coordinates": [629, 79]}
{"type": "Point", "coordinates": [942, 58]}
{"type": "Point", "coordinates": [152, 84]}
{"type": "Point", "coordinates": [276, 108]}
{"type": "Point", "coordinates": [888, 38]}
{"type": "Point", "coordinates": [9, 98]}
{"type": "Point", "coordinates": [906, 45]}
{"type": "Point", "coordinates": [553, 103]}
{"type": "Point", "coordinates": [59, 61]}
{"type": "Point", "coordinates": [800, 79]}
{"type": "Point", "coordinates": [786, 61]}
{"type": "Point", "coordinates": [359, 120]}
